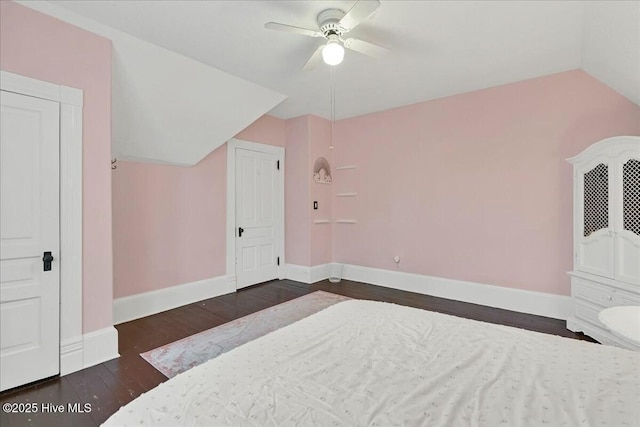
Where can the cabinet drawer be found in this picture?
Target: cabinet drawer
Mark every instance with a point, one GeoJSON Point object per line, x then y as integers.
{"type": "Point", "coordinates": [602, 295]}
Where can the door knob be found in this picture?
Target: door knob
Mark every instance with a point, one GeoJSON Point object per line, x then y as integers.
{"type": "Point", "coordinates": [240, 231]}
{"type": "Point", "coordinates": [46, 259]}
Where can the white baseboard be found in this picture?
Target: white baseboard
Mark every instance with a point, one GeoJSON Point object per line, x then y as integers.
{"type": "Point", "coordinates": [71, 355]}
{"type": "Point", "coordinates": [304, 274]}
{"type": "Point", "coordinates": [320, 272]}
{"type": "Point", "coordinates": [88, 350]}
{"type": "Point", "coordinates": [148, 303]}
{"type": "Point", "coordinates": [523, 301]}
{"type": "Point", "coordinates": [100, 346]}
{"type": "Point", "coordinates": [298, 273]}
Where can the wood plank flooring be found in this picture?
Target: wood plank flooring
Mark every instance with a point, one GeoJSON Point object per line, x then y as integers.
{"type": "Point", "coordinates": [110, 385]}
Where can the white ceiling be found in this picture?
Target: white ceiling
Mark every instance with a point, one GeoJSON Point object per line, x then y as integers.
{"type": "Point", "coordinates": [439, 48]}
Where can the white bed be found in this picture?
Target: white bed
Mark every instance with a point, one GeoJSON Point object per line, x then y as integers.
{"type": "Point", "coordinates": [363, 363]}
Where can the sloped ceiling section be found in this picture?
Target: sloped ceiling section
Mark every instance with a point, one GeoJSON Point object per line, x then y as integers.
{"type": "Point", "coordinates": [611, 45]}
{"type": "Point", "coordinates": [171, 109]}
{"type": "Point", "coordinates": [167, 108]}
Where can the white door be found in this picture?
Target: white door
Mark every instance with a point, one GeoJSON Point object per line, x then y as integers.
{"type": "Point", "coordinates": [29, 227]}
{"type": "Point", "coordinates": [257, 211]}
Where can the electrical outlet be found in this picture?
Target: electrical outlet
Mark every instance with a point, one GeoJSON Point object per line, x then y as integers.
{"type": "Point", "coordinates": [396, 259]}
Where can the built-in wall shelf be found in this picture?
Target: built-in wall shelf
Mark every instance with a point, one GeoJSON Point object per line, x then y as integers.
{"type": "Point", "coordinates": [322, 171]}
{"type": "Point", "coordinates": [346, 221]}
{"type": "Point", "coordinates": [346, 194]}
{"type": "Point", "coordinates": [321, 221]}
{"type": "Point", "coordinates": [341, 168]}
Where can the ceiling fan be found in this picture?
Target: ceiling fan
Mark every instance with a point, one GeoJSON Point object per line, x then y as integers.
{"type": "Point", "coordinates": [332, 25]}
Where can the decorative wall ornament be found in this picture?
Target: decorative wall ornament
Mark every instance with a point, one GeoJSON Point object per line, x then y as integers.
{"type": "Point", "coordinates": [322, 171]}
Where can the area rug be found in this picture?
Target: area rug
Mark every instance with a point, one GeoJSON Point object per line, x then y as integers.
{"type": "Point", "coordinates": [179, 356]}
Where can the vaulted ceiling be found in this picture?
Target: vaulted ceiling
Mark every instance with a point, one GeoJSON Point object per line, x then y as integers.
{"type": "Point", "coordinates": [438, 48]}
{"type": "Point", "coordinates": [189, 75]}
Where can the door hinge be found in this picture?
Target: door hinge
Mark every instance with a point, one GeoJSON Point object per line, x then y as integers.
{"type": "Point", "coordinates": [278, 164]}
{"type": "Point", "coordinates": [278, 261]}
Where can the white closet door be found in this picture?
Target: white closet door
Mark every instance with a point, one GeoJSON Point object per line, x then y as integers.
{"type": "Point", "coordinates": [29, 217]}
{"type": "Point", "coordinates": [594, 229]}
{"type": "Point", "coordinates": [627, 218]}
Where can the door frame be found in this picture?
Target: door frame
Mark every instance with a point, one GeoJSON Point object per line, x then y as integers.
{"type": "Point", "coordinates": [232, 145]}
{"type": "Point", "coordinates": [71, 101]}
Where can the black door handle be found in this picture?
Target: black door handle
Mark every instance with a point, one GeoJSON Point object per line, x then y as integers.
{"type": "Point", "coordinates": [240, 231]}
{"type": "Point", "coordinates": [46, 259]}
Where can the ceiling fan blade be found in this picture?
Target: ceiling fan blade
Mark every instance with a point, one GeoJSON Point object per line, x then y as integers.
{"type": "Point", "coordinates": [358, 13]}
{"type": "Point", "coordinates": [367, 48]}
{"type": "Point", "coordinates": [292, 29]}
{"type": "Point", "coordinates": [315, 59]}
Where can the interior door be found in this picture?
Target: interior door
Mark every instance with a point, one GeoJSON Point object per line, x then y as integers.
{"type": "Point", "coordinates": [29, 240]}
{"type": "Point", "coordinates": [257, 194]}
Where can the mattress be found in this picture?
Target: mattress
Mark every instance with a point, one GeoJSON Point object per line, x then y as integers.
{"type": "Point", "coordinates": [364, 363]}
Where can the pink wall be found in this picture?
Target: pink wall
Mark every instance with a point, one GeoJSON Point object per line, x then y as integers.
{"type": "Point", "coordinates": [475, 187]}
{"type": "Point", "coordinates": [39, 46]}
{"type": "Point", "coordinates": [266, 130]}
{"type": "Point", "coordinates": [169, 222]}
{"type": "Point", "coordinates": [306, 243]}
{"type": "Point", "coordinates": [297, 192]}
{"type": "Point", "coordinates": [319, 142]}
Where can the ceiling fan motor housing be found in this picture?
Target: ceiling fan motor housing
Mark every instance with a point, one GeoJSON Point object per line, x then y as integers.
{"type": "Point", "coordinates": [328, 21]}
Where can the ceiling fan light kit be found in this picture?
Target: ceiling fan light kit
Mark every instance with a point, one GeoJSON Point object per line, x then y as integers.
{"type": "Point", "coordinates": [333, 52]}
{"type": "Point", "coordinates": [332, 25]}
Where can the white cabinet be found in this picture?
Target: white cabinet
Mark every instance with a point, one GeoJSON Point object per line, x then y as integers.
{"type": "Point", "coordinates": [606, 232]}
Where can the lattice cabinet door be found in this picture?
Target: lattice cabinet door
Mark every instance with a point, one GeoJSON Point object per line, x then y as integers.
{"type": "Point", "coordinates": [594, 237]}
{"type": "Point", "coordinates": [627, 217]}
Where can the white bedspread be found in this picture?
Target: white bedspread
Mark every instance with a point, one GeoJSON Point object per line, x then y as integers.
{"type": "Point", "coordinates": [363, 363]}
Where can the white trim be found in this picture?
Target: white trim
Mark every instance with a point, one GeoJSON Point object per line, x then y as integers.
{"type": "Point", "coordinates": [100, 346]}
{"type": "Point", "coordinates": [148, 303]}
{"type": "Point", "coordinates": [71, 355]}
{"type": "Point", "coordinates": [298, 273]}
{"type": "Point", "coordinates": [71, 96]}
{"type": "Point", "coordinates": [71, 100]}
{"type": "Point", "coordinates": [309, 275]}
{"type": "Point", "coordinates": [339, 168]}
{"type": "Point", "coordinates": [27, 86]}
{"type": "Point", "coordinates": [232, 145]}
{"type": "Point", "coordinates": [346, 221]}
{"type": "Point", "coordinates": [320, 272]}
{"type": "Point", "coordinates": [523, 301]}
{"type": "Point", "coordinates": [231, 283]}
{"type": "Point", "coordinates": [71, 221]}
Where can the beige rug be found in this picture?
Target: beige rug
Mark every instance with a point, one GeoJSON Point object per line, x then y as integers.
{"type": "Point", "coordinates": [179, 356]}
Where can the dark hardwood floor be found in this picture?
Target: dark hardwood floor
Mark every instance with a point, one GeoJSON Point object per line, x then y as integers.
{"type": "Point", "coordinates": [110, 385]}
